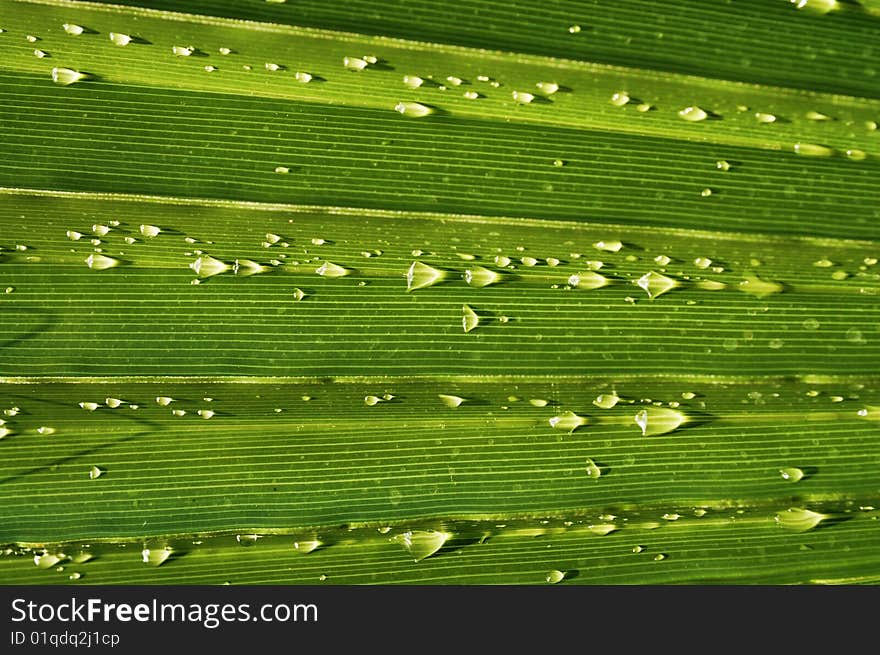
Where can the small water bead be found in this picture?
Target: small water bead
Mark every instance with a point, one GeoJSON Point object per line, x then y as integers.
{"type": "Point", "coordinates": [150, 231]}
{"type": "Point", "coordinates": [659, 557]}
{"type": "Point", "coordinates": [587, 280]}
{"type": "Point", "coordinates": [298, 294]}
{"type": "Point", "coordinates": [722, 165]}
{"type": "Point", "coordinates": [354, 63]}
{"type": "Point", "coordinates": [224, 51]}
{"type": "Point", "coordinates": [449, 400]}
{"type": "Point", "coordinates": [413, 81]}
{"type": "Point", "coordinates": [656, 284]}
{"type": "Point", "coordinates": [839, 275]}
{"type": "Point", "coordinates": [529, 261]}
{"type": "Point", "coordinates": [547, 88]}
{"type": "Point", "coordinates": [606, 400]}
{"type": "Point", "coordinates": [817, 116]}
{"type": "Point", "coordinates": [270, 66]}
{"type": "Point", "coordinates": [182, 51]}
{"type": "Point", "coordinates": [644, 107]}
{"type": "Point", "coordinates": [568, 421]}
{"type": "Point", "coordinates": [502, 261]}
{"type": "Point", "coordinates": [420, 275]}
{"type": "Point", "coordinates": [207, 266]}
{"type": "Point", "coordinates": [372, 401]}
{"type": "Point", "coordinates": [74, 576]}
{"type": "Point", "coordinates": [812, 150]}
{"type": "Point", "coordinates": [658, 420]}
{"type": "Point", "coordinates": [113, 403]}
{"type": "Point", "coordinates": [421, 544]}
{"type": "Point", "coordinates": [73, 29]}
{"type": "Point", "coordinates": [608, 246]}
{"type": "Point", "coordinates": [302, 77]}
{"type": "Point", "coordinates": [870, 261]}
{"type": "Point", "coordinates": [693, 114]}
{"type": "Point", "coordinates": [471, 95]}
{"type": "Point", "coordinates": [592, 470]}
{"type": "Point", "coordinates": [120, 39]}
{"type": "Point", "coordinates": [331, 270]}
{"type": "Point", "coordinates": [816, 6]}
{"type": "Point", "coordinates": [702, 262]}
{"type": "Point", "coordinates": [523, 97]}
{"type": "Point", "coordinates": [89, 406]}
{"type": "Point", "coordinates": [478, 276]}
{"type": "Point", "coordinates": [538, 402]}
{"type": "Point", "coordinates": [671, 516]}
{"type": "Point", "coordinates": [869, 412]}
{"type": "Point", "coordinates": [638, 549]}
{"type": "Point", "coordinates": [469, 319]}
{"type": "Point", "coordinates": [205, 413]}
{"type": "Point", "coordinates": [31, 38]}
{"type": "Point", "coordinates": [554, 577]}
{"type": "Point", "coordinates": [856, 154]}
{"type": "Point", "coordinates": [620, 98]}
{"type": "Point", "coordinates": [307, 546]}
{"type": "Point", "coordinates": [574, 29]}
{"type": "Point", "coordinates": [45, 431]}
{"type": "Point", "coordinates": [39, 54]}
{"type": "Point", "coordinates": [758, 287]}
{"type": "Point", "coordinates": [799, 520]}
{"type": "Point", "coordinates": [413, 109]}
{"type": "Point", "coordinates": [823, 263]}
{"type": "Point", "coordinates": [66, 76]}
{"type": "Point", "coordinates": [791, 474]}
{"type": "Point", "coordinates": [156, 556]}
{"type": "Point", "coordinates": [47, 560]}
{"type": "Point", "coordinates": [164, 401]}
{"type": "Point", "coordinates": [466, 256]}
{"type": "Point", "coordinates": [602, 529]}
{"type": "Point", "coordinates": [95, 473]}
{"type": "Point", "coordinates": [663, 260]}
{"type": "Point", "coordinates": [763, 117]}
{"type": "Point", "coordinates": [178, 412]}
{"type": "Point", "coordinates": [9, 290]}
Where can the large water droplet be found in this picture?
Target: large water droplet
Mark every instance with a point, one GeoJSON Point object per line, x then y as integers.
{"type": "Point", "coordinates": [620, 98]}
{"type": "Point", "coordinates": [73, 29]}
{"type": "Point", "coordinates": [568, 421]}
{"type": "Point", "coordinates": [47, 560]}
{"type": "Point", "coordinates": [606, 400]}
{"type": "Point", "coordinates": [450, 401]}
{"type": "Point", "coordinates": [656, 284]}
{"type": "Point", "coordinates": [693, 114]}
{"type": "Point", "coordinates": [246, 267]}
{"type": "Point", "coordinates": [477, 276]}
{"type": "Point", "coordinates": [548, 88]}
{"type": "Point", "coordinates": [354, 63]}
{"type": "Point", "coordinates": [150, 231]}
{"type": "Point", "coordinates": [329, 269]}
{"type": "Point", "coordinates": [812, 150]}
{"type": "Point", "coordinates": [799, 520]}
{"type": "Point", "coordinates": [421, 275]}
{"type": "Point", "coordinates": [523, 97]}
{"type": "Point", "coordinates": [207, 266]}
{"type": "Point", "coordinates": [66, 76]}
{"type": "Point", "coordinates": [658, 420]}
{"type": "Point", "coordinates": [757, 287]}
{"type": "Point", "coordinates": [555, 576]}
{"type": "Point", "coordinates": [412, 109]}
{"type": "Point", "coordinates": [469, 318]}
{"type": "Point", "coordinates": [307, 546]}
{"type": "Point", "coordinates": [791, 474]}
{"type": "Point", "coordinates": [156, 556]}
{"type": "Point", "coordinates": [587, 280]}
{"type": "Point", "coordinates": [120, 39]}
{"type": "Point", "coordinates": [422, 543]}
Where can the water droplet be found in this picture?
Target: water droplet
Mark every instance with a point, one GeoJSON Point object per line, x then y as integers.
{"type": "Point", "coordinates": [799, 520]}
{"type": "Point", "coordinates": [693, 114]}
{"type": "Point", "coordinates": [763, 117]}
{"type": "Point", "coordinates": [207, 266]}
{"type": "Point", "coordinates": [31, 38]}
{"type": "Point", "coordinates": [422, 543]}
{"type": "Point", "coordinates": [224, 51]}
{"type": "Point", "coordinates": [815, 6]}
{"type": "Point", "coordinates": [178, 412]}
{"type": "Point", "coordinates": [164, 401]}
{"type": "Point", "coordinates": [663, 260]}
{"type": "Point", "coordinates": [638, 549]}
{"type": "Point", "coordinates": [722, 165]}
{"type": "Point", "coordinates": [113, 403]}
{"type": "Point", "coordinates": [823, 263]}
{"type": "Point", "coordinates": [659, 557]}
{"type": "Point", "coordinates": [371, 401]}
{"type": "Point", "coordinates": [66, 76]}
{"type": "Point", "coordinates": [620, 98]}
{"type": "Point", "coordinates": [9, 290]}
{"type": "Point", "coordinates": [120, 39]}
{"type": "Point", "coordinates": [593, 471]}
{"type": "Point", "coordinates": [839, 275]}
{"type": "Point", "coordinates": [73, 29]}
{"type": "Point", "coordinates": [608, 246]}
{"type": "Point", "coordinates": [791, 474]}
{"type": "Point", "coordinates": [45, 430]}
{"type": "Point", "coordinates": [182, 51]}
{"type": "Point", "coordinates": [606, 400]}
{"type": "Point", "coordinates": [658, 420]}
{"type": "Point", "coordinates": [812, 150]}
{"type": "Point", "coordinates": [298, 294]}
{"type": "Point", "coordinates": [538, 402]}
{"type": "Point", "coordinates": [587, 280]}
{"type": "Point", "coordinates": [89, 406]}
{"type": "Point", "coordinates": [699, 512]}
{"type": "Point", "coordinates": [39, 54]}
{"type": "Point", "coordinates": [354, 63]}
{"type": "Point", "coordinates": [644, 106]}
{"type": "Point", "coordinates": [870, 413]}
{"type": "Point", "coordinates": [413, 81]}
{"type": "Point", "coordinates": [671, 516]}
{"type": "Point", "coordinates": [246, 267]}
{"type": "Point", "coordinates": [329, 269]}
{"type": "Point", "coordinates": [156, 556]}
{"type": "Point", "coordinates": [47, 560]}
{"type": "Point", "coordinates": [856, 154]}
{"type": "Point", "coordinates": [412, 109]}
{"type": "Point", "coordinates": [150, 231]}
{"type": "Point", "coordinates": [95, 473]}
{"type": "Point", "coordinates": [529, 261]}
{"type": "Point", "coordinates": [205, 413]}
{"type": "Point", "coordinates": [554, 576]}
{"type": "Point", "coordinates": [574, 29]}
{"type": "Point", "coordinates": [702, 262]}
{"type": "Point", "coordinates": [656, 284]}
{"type": "Point", "coordinates": [471, 95]}
{"type": "Point", "coordinates": [688, 395]}
{"type": "Point", "coordinates": [450, 401]}
{"type": "Point", "coordinates": [469, 318]}
{"type": "Point", "coordinates": [706, 192]}
{"type": "Point", "coordinates": [421, 275]}
{"type": "Point", "coordinates": [548, 88]}
{"type": "Point", "coordinates": [523, 97]}
{"type": "Point", "coordinates": [758, 287]}
{"type": "Point", "coordinates": [478, 276]}
{"type": "Point", "coordinates": [568, 421]}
